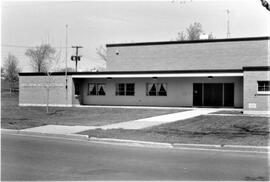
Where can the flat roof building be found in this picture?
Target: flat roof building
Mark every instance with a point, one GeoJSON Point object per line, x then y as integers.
{"type": "Point", "coordinates": [203, 73]}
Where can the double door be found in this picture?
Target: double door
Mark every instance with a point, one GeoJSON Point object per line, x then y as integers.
{"type": "Point", "coordinates": [213, 94]}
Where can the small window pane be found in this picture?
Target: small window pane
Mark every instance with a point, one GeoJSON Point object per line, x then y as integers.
{"type": "Point", "coordinates": [153, 90]}
{"type": "Point", "coordinates": [130, 89]}
{"type": "Point", "coordinates": [162, 90]}
{"type": "Point", "coordinates": [120, 89]}
{"type": "Point", "coordinates": [92, 89]}
{"type": "Point", "coordinates": [101, 89]}
{"type": "Point", "coordinates": [148, 88]}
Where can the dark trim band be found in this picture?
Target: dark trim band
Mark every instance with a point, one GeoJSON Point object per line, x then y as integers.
{"type": "Point", "coordinates": [188, 41]}
{"type": "Point", "coordinates": [256, 68]}
{"type": "Point", "coordinates": [134, 72]}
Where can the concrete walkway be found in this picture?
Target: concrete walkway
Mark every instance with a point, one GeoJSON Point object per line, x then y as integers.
{"type": "Point", "coordinates": [59, 129]}
{"type": "Point", "coordinates": [158, 120]}
{"type": "Point", "coordinates": [136, 124]}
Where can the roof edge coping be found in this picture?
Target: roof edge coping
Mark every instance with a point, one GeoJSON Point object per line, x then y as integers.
{"type": "Point", "coordinates": [131, 72]}
{"type": "Point", "coordinates": [189, 41]}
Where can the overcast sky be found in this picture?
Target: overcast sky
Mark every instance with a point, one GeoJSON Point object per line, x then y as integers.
{"type": "Point", "coordinates": [91, 24]}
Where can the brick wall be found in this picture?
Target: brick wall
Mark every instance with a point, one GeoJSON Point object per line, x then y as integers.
{"type": "Point", "coordinates": [190, 56]}
{"type": "Point", "coordinates": [33, 90]}
{"type": "Point", "coordinates": [254, 102]}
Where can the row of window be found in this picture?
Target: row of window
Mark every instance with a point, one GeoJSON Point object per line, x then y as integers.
{"type": "Point", "coordinates": [152, 89]}
{"type": "Point", "coordinates": [128, 89]}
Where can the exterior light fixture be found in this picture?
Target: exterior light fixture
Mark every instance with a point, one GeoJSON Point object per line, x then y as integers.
{"type": "Point", "coordinates": [210, 77]}
{"type": "Point", "coordinates": [109, 78]}
{"type": "Point", "coordinates": [154, 78]}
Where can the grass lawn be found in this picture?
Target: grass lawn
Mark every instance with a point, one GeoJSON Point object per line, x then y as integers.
{"type": "Point", "coordinates": [15, 117]}
{"type": "Point", "coordinates": [237, 130]}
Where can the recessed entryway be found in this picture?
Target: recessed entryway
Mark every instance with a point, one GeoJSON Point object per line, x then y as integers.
{"type": "Point", "coordinates": [213, 94]}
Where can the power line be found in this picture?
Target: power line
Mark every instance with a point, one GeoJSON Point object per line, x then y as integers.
{"type": "Point", "coordinates": [24, 46]}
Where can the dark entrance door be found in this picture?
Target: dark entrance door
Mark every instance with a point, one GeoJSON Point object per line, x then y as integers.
{"type": "Point", "coordinates": [197, 94]}
{"type": "Point", "coordinates": [213, 94]}
{"type": "Point", "coordinates": [229, 94]}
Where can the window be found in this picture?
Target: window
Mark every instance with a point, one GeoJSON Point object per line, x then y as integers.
{"type": "Point", "coordinates": [264, 86]}
{"type": "Point", "coordinates": [130, 89]}
{"type": "Point", "coordinates": [125, 89]}
{"type": "Point", "coordinates": [96, 89]}
{"type": "Point", "coordinates": [156, 89]}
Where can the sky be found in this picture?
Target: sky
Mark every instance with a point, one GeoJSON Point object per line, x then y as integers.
{"type": "Point", "coordinates": [95, 23]}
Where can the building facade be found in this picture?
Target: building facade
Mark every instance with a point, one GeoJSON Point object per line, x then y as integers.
{"type": "Point", "coordinates": [233, 73]}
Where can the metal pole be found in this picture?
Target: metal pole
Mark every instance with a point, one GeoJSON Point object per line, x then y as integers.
{"type": "Point", "coordinates": [228, 23]}
{"type": "Point", "coordinates": [66, 64]}
{"type": "Point", "coordinates": [77, 57]}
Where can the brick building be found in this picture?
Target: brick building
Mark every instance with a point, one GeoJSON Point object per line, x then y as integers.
{"type": "Point", "coordinates": [203, 73]}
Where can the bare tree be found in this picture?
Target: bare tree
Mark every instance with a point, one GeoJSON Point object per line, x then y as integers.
{"type": "Point", "coordinates": [102, 52]}
{"type": "Point", "coordinates": [45, 59]}
{"type": "Point", "coordinates": [11, 70]}
{"type": "Point", "coordinates": [2, 72]}
{"type": "Point", "coordinates": [50, 83]}
{"type": "Point", "coordinates": [41, 57]}
{"type": "Point", "coordinates": [211, 36]}
{"type": "Point", "coordinates": [181, 36]}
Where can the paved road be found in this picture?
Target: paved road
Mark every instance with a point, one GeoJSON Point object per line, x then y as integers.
{"type": "Point", "coordinates": [32, 158]}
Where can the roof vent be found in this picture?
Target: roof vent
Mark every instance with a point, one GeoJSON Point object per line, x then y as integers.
{"type": "Point", "coordinates": [203, 36]}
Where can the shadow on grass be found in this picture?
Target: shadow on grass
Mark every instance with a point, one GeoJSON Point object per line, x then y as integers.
{"type": "Point", "coordinates": [56, 111]}
{"type": "Point", "coordinates": [258, 178]}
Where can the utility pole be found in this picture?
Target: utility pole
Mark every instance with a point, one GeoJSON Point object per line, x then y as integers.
{"type": "Point", "coordinates": [76, 58]}
{"type": "Point", "coordinates": [228, 23]}
{"type": "Point", "coordinates": [66, 64]}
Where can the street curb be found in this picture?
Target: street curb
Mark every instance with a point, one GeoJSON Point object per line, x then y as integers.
{"type": "Point", "coordinates": [131, 142]}
{"type": "Point", "coordinates": [30, 133]}
{"type": "Point", "coordinates": [137, 143]}
{"type": "Point", "coordinates": [243, 148]}
{"type": "Point", "coordinates": [223, 147]}
{"type": "Point", "coordinates": [9, 131]}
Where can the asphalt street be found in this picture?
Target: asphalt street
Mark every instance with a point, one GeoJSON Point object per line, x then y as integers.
{"type": "Point", "coordinates": [36, 158]}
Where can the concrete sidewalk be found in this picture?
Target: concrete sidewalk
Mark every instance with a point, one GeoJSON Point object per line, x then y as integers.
{"type": "Point", "coordinates": [158, 120]}
{"type": "Point", "coordinates": [58, 129]}
{"type": "Point", "coordinates": [136, 124]}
